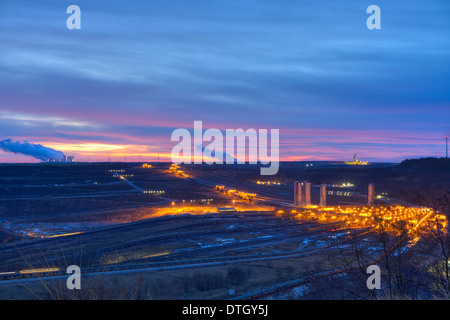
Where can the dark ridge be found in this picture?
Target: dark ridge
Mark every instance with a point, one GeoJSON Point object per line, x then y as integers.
{"type": "Point", "coordinates": [427, 164]}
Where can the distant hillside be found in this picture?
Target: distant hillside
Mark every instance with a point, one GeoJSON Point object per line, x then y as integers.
{"type": "Point", "coordinates": [435, 164]}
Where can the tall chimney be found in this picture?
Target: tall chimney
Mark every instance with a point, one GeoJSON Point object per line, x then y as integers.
{"type": "Point", "coordinates": [371, 195]}
{"type": "Point", "coordinates": [298, 193]}
{"type": "Point", "coordinates": [307, 186]}
{"type": "Point", "coordinates": [323, 195]}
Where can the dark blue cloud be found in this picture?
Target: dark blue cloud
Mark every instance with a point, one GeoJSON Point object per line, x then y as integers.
{"type": "Point", "coordinates": [271, 64]}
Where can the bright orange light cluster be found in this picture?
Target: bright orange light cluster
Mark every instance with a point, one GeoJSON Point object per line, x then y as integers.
{"type": "Point", "coordinates": [175, 169]}
{"type": "Point", "coordinates": [233, 192]}
{"type": "Point", "coordinates": [268, 183]}
{"type": "Point", "coordinates": [193, 210]}
{"type": "Point", "coordinates": [358, 163]}
{"type": "Point", "coordinates": [392, 219]}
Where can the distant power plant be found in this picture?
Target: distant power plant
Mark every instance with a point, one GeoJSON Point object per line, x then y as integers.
{"type": "Point", "coordinates": [63, 159]}
{"type": "Point", "coordinates": [34, 150]}
{"type": "Point", "coordinates": [357, 162]}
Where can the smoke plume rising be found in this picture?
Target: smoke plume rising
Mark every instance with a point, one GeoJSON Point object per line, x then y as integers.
{"type": "Point", "coordinates": [35, 150]}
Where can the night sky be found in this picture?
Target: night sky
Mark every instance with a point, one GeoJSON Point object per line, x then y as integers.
{"type": "Point", "coordinates": [138, 69]}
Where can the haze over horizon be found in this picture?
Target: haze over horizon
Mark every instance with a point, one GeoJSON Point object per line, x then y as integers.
{"type": "Point", "coordinates": [119, 86]}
